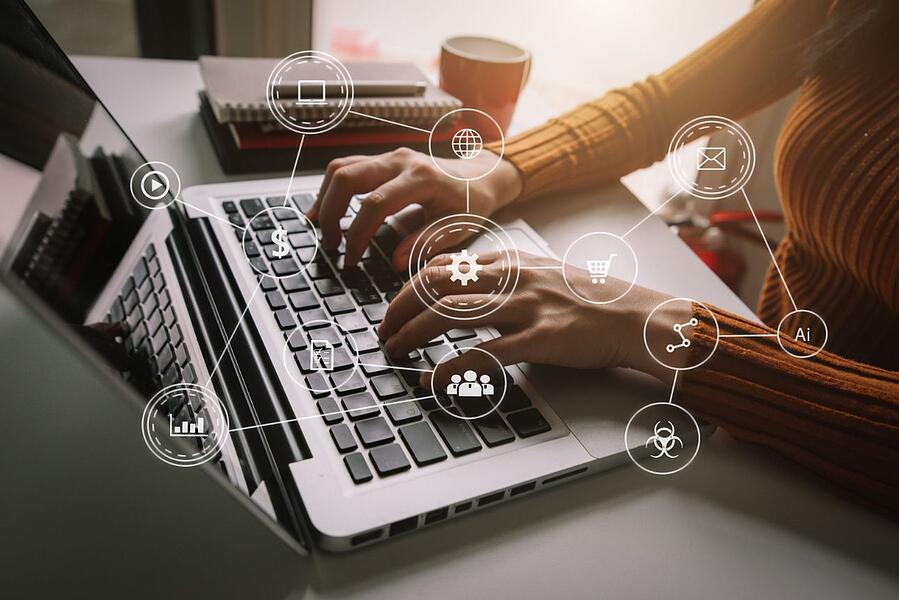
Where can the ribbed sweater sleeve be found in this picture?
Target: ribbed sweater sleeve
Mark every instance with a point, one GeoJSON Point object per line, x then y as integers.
{"type": "Point", "coordinates": [746, 67]}
{"type": "Point", "coordinates": [837, 417]}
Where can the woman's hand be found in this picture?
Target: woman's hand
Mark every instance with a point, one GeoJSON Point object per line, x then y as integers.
{"type": "Point", "coordinates": [542, 321]}
{"type": "Point", "coordinates": [398, 179]}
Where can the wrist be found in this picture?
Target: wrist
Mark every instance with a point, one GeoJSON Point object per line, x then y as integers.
{"type": "Point", "coordinates": [506, 183]}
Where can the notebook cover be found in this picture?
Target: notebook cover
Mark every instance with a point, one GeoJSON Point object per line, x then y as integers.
{"type": "Point", "coordinates": [236, 90]}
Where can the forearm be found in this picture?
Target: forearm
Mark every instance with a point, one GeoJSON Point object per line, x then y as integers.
{"type": "Point", "coordinates": [837, 417]}
{"type": "Point", "coordinates": [746, 67]}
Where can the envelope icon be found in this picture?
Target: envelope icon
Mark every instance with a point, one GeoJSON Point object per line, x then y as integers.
{"type": "Point", "coordinates": [711, 158]}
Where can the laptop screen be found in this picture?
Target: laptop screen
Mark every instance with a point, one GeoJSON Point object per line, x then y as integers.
{"type": "Point", "coordinates": [67, 216]}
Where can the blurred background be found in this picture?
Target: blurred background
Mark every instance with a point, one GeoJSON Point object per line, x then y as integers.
{"type": "Point", "coordinates": [581, 48]}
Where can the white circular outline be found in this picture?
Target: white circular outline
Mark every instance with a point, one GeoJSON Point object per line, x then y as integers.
{"type": "Point", "coordinates": [682, 467]}
{"type": "Point", "coordinates": [514, 265]}
{"type": "Point", "coordinates": [311, 228]}
{"type": "Point", "coordinates": [149, 164]}
{"type": "Point", "coordinates": [690, 186]}
{"type": "Point", "coordinates": [342, 72]}
{"type": "Point", "coordinates": [168, 184]}
{"type": "Point", "coordinates": [599, 302]}
{"type": "Point", "coordinates": [209, 399]}
{"type": "Point", "coordinates": [459, 352]}
{"type": "Point", "coordinates": [499, 158]}
{"type": "Point", "coordinates": [811, 312]}
{"type": "Point", "coordinates": [354, 356]}
{"type": "Point", "coordinates": [699, 364]}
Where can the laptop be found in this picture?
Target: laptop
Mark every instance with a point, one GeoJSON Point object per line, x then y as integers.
{"type": "Point", "coordinates": [341, 465]}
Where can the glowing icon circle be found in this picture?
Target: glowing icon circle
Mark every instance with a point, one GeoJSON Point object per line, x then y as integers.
{"type": "Point", "coordinates": [184, 425]}
{"type": "Point", "coordinates": [309, 92]}
{"type": "Point", "coordinates": [735, 158]}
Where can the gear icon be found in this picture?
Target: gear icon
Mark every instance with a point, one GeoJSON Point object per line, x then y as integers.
{"type": "Point", "coordinates": [470, 273]}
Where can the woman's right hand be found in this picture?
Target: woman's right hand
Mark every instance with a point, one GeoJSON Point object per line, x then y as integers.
{"type": "Point", "coordinates": [398, 179]}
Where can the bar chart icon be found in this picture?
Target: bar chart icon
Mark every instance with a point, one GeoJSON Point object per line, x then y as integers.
{"type": "Point", "coordinates": [187, 428]}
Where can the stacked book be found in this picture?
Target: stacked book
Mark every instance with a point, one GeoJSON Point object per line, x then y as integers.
{"type": "Point", "coordinates": [247, 139]}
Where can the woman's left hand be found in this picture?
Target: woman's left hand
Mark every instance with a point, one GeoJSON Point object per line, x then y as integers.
{"type": "Point", "coordinates": [542, 322]}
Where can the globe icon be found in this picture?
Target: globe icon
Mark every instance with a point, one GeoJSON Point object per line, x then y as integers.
{"type": "Point", "coordinates": [467, 144]}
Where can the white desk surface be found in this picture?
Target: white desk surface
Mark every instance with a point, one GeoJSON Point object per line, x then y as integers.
{"type": "Point", "coordinates": [739, 523]}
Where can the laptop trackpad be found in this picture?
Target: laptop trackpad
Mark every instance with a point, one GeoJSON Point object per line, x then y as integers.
{"type": "Point", "coordinates": [596, 405]}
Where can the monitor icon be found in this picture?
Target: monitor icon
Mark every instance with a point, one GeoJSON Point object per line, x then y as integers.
{"type": "Point", "coordinates": [311, 92]}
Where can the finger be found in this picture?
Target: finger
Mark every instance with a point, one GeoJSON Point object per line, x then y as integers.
{"type": "Point", "coordinates": [312, 213]}
{"type": "Point", "coordinates": [386, 200]}
{"type": "Point", "coordinates": [347, 181]}
{"type": "Point", "coordinates": [403, 250]}
{"type": "Point", "coordinates": [428, 324]}
{"type": "Point", "coordinates": [507, 349]}
{"type": "Point", "coordinates": [431, 284]}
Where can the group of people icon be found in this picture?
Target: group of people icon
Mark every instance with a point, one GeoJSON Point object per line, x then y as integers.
{"type": "Point", "coordinates": [471, 387]}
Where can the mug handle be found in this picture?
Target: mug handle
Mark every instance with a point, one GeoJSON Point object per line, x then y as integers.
{"type": "Point", "coordinates": [527, 73]}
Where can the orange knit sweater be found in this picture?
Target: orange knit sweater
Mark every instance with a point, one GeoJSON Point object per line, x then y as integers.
{"type": "Point", "coordinates": [837, 169]}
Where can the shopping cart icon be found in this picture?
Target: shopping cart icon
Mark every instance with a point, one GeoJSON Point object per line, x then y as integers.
{"type": "Point", "coordinates": [599, 269]}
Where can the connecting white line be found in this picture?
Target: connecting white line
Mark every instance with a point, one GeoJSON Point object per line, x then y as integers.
{"type": "Point", "coordinates": [397, 368]}
{"type": "Point", "coordinates": [742, 335]}
{"type": "Point", "coordinates": [651, 213]}
{"type": "Point", "coordinates": [209, 214]}
{"type": "Point", "coordinates": [320, 415]}
{"type": "Point", "coordinates": [542, 268]}
{"type": "Point", "coordinates": [294, 171]}
{"type": "Point", "coordinates": [768, 246]}
{"type": "Point", "coordinates": [467, 196]}
{"type": "Point", "coordinates": [231, 337]}
{"type": "Point", "coordinates": [673, 385]}
{"type": "Point", "coordinates": [428, 131]}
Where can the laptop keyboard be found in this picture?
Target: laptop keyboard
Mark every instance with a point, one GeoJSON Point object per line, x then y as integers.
{"type": "Point", "coordinates": [372, 422]}
{"type": "Point", "coordinates": [154, 339]}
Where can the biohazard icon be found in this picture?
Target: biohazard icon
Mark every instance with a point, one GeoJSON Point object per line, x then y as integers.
{"type": "Point", "coordinates": [467, 273]}
{"type": "Point", "coordinates": [664, 440]}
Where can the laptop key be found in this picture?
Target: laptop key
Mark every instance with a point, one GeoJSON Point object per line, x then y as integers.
{"type": "Point", "coordinates": [251, 207]}
{"type": "Point", "coordinates": [130, 301]}
{"type": "Point", "coordinates": [515, 399]}
{"type": "Point", "coordinates": [296, 341]}
{"type": "Point", "coordinates": [343, 438]}
{"type": "Point", "coordinates": [375, 313]}
{"type": "Point", "coordinates": [528, 422]}
{"type": "Point", "coordinates": [319, 270]}
{"type": "Point", "coordinates": [389, 460]}
{"type": "Point", "coordinates": [338, 305]}
{"type": "Point", "coordinates": [303, 239]}
{"type": "Point", "coordinates": [422, 444]}
{"type": "Point", "coordinates": [435, 354]}
{"type": "Point", "coordinates": [295, 283]}
{"type": "Point", "coordinates": [373, 432]}
{"type": "Point", "coordinates": [275, 300]}
{"type": "Point", "coordinates": [302, 300]}
{"type": "Point", "coordinates": [365, 341]}
{"type": "Point", "coordinates": [314, 319]}
{"type": "Point", "coordinates": [361, 406]}
{"type": "Point", "coordinates": [493, 430]}
{"type": "Point", "coordinates": [374, 364]}
{"type": "Point", "coordinates": [140, 272]}
{"type": "Point", "coordinates": [229, 207]}
{"type": "Point", "coordinates": [285, 319]}
{"type": "Point", "coordinates": [351, 385]}
{"type": "Point", "coordinates": [456, 434]}
{"type": "Point", "coordinates": [259, 264]}
{"type": "Point", "coordinates": [359, 471]}
{"type": "Point", "coordinates": [317, 385]}
{"type": "Point", "coordinates": [387, 386]}
{"type": "Point", "coordinates": [285, 266]}
{"type": "Point", "coordinates": [402, 411]}
{"type": "Point", "coordinates": [329, 410]}
{"type": "Point", "coordinates": [353, 322]}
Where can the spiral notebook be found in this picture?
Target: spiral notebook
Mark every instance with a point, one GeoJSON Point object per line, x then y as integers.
{"type": "Point", "coordinates": [235, 88]}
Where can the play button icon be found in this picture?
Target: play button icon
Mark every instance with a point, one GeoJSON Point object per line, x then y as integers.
{"type": "Point", "coordinates": [155, 185]}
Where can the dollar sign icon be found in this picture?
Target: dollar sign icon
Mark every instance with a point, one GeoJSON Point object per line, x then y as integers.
{"type": "Point", "coordinates": [279, 237]}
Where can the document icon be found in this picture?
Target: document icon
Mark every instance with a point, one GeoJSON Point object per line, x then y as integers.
{"type": "Point", "coordinates": [321, 355]}
{"type": "Point", "coordinates": [711, 158]}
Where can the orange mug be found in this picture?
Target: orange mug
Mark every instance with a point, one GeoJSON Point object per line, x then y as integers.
{"type": "Point", "coordinates": [485, 74]}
